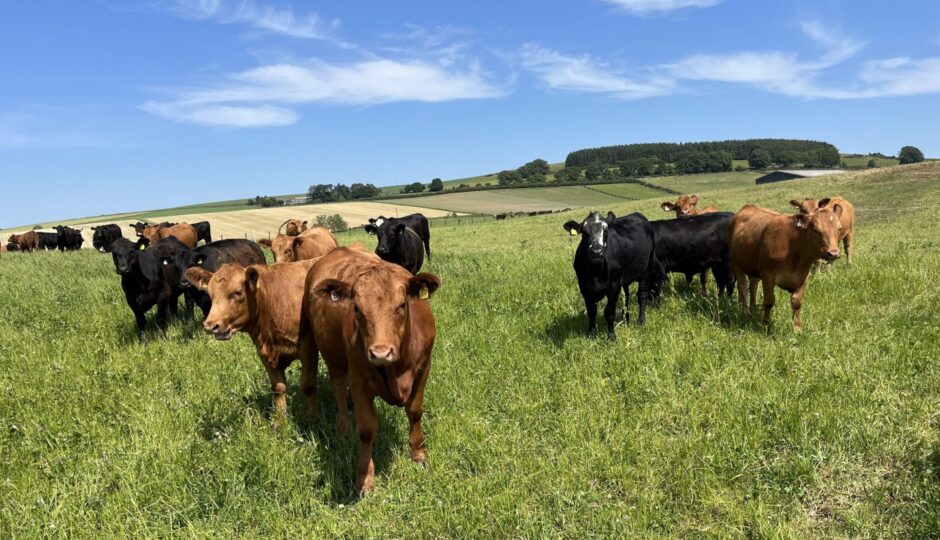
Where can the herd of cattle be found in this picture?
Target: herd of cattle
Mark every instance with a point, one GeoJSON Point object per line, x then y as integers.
{"type": "Point", "coordinates": [64, 239]}
{"type": "Point", "coordinates": [368, 314]}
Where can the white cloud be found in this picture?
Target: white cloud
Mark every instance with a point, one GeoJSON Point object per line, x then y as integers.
{"type": "Point", "coordinates": [585, 74]}
{"type": "Point", "coordinates": [367, 82]}
{"type": "Point", "coordinates": [647, 7]}
{"type": "Point", "coordinates": [267, 18]}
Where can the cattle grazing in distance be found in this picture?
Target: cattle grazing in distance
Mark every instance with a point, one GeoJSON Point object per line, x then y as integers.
{"type": "Point", "coordinates": [48, 241]}
{"type": "Point", "coordinates": [695, 245]}
{"type": "Point", "coordinates": [418, 223]}
{"type": "Point", "coordinates": [293, 227]}
{"type": "Point", "coordinates": [398, 244]}
{"type": "Point", "coordinates": [778, 250]}
{"type": "Point", "coordinates": [262, 301]}
{"type": "Point", "coordinates": [211, 257]}
{"type": "Point", "coordinates": [103, 236]}
{"type": "Point", "coordinates": [847, 234]}
{"type": "Point", "coordinates": [685, 206]}
{"type": "Point", "coordinates": [69, 239]}
{"type": "Point", "coordinates": [612, 254]}
{"type": "Point", "coordinates": [203, 231]}
{"type": "Point", "coordinates": [184, 232]}
{"type": "Point", "coordinates": [372, 322]}
{"type": "Point", "coordinates": [146, 280]}
{"type": "Point", "coordinates": [28, 241]}
{"type": "Point", "coordinates": [310, 244]}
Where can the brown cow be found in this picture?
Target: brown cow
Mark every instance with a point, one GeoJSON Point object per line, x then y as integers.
{"type": "Point", "coordinates": [809, 205]}
{"type": "Point", "coordinates": [184, 232]}
{"type": "Point", "coordinates": [262, 301]}
{"type": "Point", "coordinates": [310, 244]}
{"type": "Point", "coordinates": [28, 241]}
{"type": "Point", "coordinates": [779, 250]}
{"type": "Point", "coordinates": [294, 227]}
{"type": "Point", "coordinates": [685, 206]}
{"type": "Point", "coordinates": [371, 321]}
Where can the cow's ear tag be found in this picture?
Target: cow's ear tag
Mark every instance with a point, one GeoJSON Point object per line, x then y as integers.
{"type": "Point", "coordinates": [423, 293]}
{"type": "Point", "coordinates": [142, 247]}
{"type": "Point", "coordinates": [334, 296]}
{"type": "Point", "coordinates": [573, 232]}
{"type": "Point", "coordinates": [205, 286]}
{"type": "Point", "coordinates": [165, 263]}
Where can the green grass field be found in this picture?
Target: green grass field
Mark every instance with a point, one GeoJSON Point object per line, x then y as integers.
{"type": "Point", "coordinates": [695, 183]}
{"type": "Point", "coordinates": [862, 162]}
{"type": "Point", "coordinates": [698, 425]}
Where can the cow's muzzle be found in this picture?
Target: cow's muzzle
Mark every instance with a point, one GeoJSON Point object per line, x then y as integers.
{"type": "Point", "coordinates": [216, 330]}
{"type": "Point", "coordinates": [831, 255]}
{"type": "Point", "coordinates": [382, 355]}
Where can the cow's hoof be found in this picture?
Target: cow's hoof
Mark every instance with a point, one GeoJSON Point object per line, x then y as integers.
{"type": "Point", "coordinates": [611, 336]}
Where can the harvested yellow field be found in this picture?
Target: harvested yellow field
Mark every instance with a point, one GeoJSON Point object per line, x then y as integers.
{"type": "Point", "coordinates": [258, 223]}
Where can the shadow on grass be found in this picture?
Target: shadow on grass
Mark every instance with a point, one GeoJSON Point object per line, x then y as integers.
{"type": "Point", "coordinates": [568, 326]}
{"type": "Point", "coordinates": [338, 454]}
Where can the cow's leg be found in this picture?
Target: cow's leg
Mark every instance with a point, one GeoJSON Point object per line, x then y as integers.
{"type": "Point", "coordinates": [768, 300]}
{"type": "Point", "coordinates": [427, 247]}
{"type": "Point", "coordinates": [847, 245]}
{"type": "Point", "coordinates": [626, 304]}
{"type": "Point", "coordinates": [642, 299]}
{"type": "Point", "coordinates": [309, 363]}
{"type": "Point", "coordinates": [703, 278]}
{"type": "Point", "coordinates": [592, 317]}
{"type": "Point", "coordinates": [190, 304]}
{"type": "Point", "coordinates": [278, 387]}
{"type": "Point", "coordinates": [753, 283]}
{"type": "Point", "coordinates": [367, 427]}
{"type": "Point", "coordinates": [796, 302]}
{"type": "Point", "coordinates": [415, 410]}
{"type": "Point", "coordinates": [742, 291]}
{"type": "Point", "coordinates": [688, 281]}
{"type": "Point", "coordinates": [610, 312]}
{"type": "Point", "coordinates": [141, 321]}
{"type": "Point", "coordinates": [162, 309]}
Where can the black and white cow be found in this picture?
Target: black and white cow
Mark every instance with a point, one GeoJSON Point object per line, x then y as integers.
{"type": "Point", "coordinates": [417, 222]}
{"type": "Point", "coordinates": [398, 244]}
{"type": "Point", "coordinates": [614, 253]}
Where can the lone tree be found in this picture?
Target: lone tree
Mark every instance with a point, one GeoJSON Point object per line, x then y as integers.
{"type": "Point", "coordinates": [910, 154]}
{"type": "Point", "coordinates": [872, 163]}
{"type": "Point", "coordinates": [416, 187]}
{"type": "Point", "coordinates": [436, 185]}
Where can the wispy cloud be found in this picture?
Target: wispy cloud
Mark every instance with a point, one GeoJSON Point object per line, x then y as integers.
{"type": "Point", "coordinates": [256, 97]}
{"type": "Point", "coordinates": [654, 7]}
{"type": "Point", "coordinates": [267, 18]}
{"type": "Point", "coordinates": [773, 71]}
{"type": "Point", "coordinates": [586, 74]}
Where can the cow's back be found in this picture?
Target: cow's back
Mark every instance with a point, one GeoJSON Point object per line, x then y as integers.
{"type": "Point", "coordinates": [848, 214]}
{"type": "Point", "coordinates": [280, 293]}
{"type": "Point", "coordinates": [184, 232]}
{"type": "Point", "coordinates": [760, 239]}
{"type": "Point", "coordinates": [231, 251]}
{"type": "Point", "coordinates": [318, 241]}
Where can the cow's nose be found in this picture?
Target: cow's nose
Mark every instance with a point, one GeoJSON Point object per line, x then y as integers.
{"type": "Point", "coordinates": [832, 254]}
{"type": "Point", "coordinates": [211, 327]}
{"type": "Point", "coordinates": [381, 353]}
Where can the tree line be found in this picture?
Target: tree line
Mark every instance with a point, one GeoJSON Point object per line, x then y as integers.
{"type": "Point", "coordinates": [532, 172]}
{"type": "Point", "coordinates": [324, 193]}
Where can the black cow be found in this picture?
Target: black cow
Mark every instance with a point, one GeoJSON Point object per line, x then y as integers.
{"type": "Point", "coordinates": [203, 231]}
{"type": "Point", "coordinates": [104, 236]}
{"type": "Point", "coordinates": [68, 238]}
{"type": "Point", "coordinates": [398, 244]}
{"type": "Point", "coordinates": [48, 240]}
{"type": "Point", "coordinates": [417, 222]}
{"type": "Point", "coordinates": [695, 244]}
{"type": "Point", "coordinates": [13, 246]}
{"type": "Point", "coordinates": [211, 257]}
{"type": "Point", "coordinates": [612, 254]}
{"type": "Point", "coordinates": [146, 280]}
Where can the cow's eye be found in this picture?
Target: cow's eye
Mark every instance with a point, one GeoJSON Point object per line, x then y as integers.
{"type": "Point", "coordinates": [402, 306]}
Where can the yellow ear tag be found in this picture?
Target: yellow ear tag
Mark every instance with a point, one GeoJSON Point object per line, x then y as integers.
{"type": "Point", "coordinates": [142, 247]}
{"type": "Point", "coordinates": [423, 293]}
{"type": "Point", "coordinates": [205, 286]}
{"type": "Point", "coordinates": [573, 232]}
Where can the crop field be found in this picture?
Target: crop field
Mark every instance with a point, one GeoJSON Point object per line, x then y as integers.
{"type": "Point", "coordinates": [700, 424]}
{"type": "Point", "coordinates": [695, 183]}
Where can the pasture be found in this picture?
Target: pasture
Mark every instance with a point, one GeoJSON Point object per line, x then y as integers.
{"type": "Point", "coordinates": [699, 424]}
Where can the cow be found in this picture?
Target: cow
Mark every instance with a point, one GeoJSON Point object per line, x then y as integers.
{"type": "Point", "coordinates": [140, 225]}
{"type": "Point", "coordinates": [203, 231]}
{"type": "Point", "coordinates": [68, 238]}
{"type": "Point", "coordinates": [612, 254]}
{"type": "Point", "coordinates": [778, 250]}
{"type": "Point", "coordinates": [372, 322]}
{"type": "Point", "coordinates": [398, 243]}
{"type": "Point", "coordinates": [847, 234]}
{"type": "Point", "coordinates": [294, 227]}
{"type": "Point", "coordinates": [184, 232]}
{"type": "Point", "coordinates": [48, 241]}
{"type": "Point", "coordinates": [685, 207]}
{"type": "Point", "coordinates": [262, 301]}
{"type": "Point", "coordinates": [310, 244]}
{"type": "Point", "coordinates": [11, 246]}
{"type": "Point", "coordinates": [695, 245]}
{"type": "Point", "coordinates": [103, 236]}
{"type": "Point", "coordinates": [211, 257]}
{"type": "Point", "coordinates": [418, 223]}
{"type": "Point", "coordinates": [28, 241]}
{"type": "Point", "coordinates": [146, 281]}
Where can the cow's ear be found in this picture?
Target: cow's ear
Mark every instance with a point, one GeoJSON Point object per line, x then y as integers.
{"type": "Point", "coordinates": [801, 221]}
{"type": "Point", "coordinates": [611, 218]}
{"type": "Point", "coordinates": [199, 277]}
{"type": "Point", "coordinates": [837, 210]}
{"type": "Point", "coordinates": [251, 278]}
{"type": "Point", "coordinates": [149, 265]}
{"type": "Point", "coordinates": [370, 228]}
{"type": "Point", "coordinates": [199, 260]}
{"type": "Point", "coordinates": [304, 223]}
{"type": "Point", "coordinates": [142, 243]}
{"type": "Point", "coordinates": [266, 242]}
{"type": "Point", "coordinates": [298, 241]}
{"type": "Point", "coordinates": [823, 202]}
{"type": "Point", "coordinates": [334, 290]}
{"type": "Point", "coordinates": [668, 207]}
{"type": "Point", "coordinates": [796, 204]}
{"type": "Point", "coordinates": [372, 220]}
{"type": "Point", "coordinates": [573, 228]}
{"type": "Point", "coordinates": [693, 199]}
{"type": "Point", "coordinates": [423, 285]}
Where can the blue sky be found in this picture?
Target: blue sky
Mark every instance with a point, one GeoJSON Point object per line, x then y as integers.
{"type": "Point", "coordinates": [119, 105]}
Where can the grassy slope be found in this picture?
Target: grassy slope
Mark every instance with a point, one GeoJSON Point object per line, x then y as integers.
{"type": "Point", "coordinates": [697, 425]}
